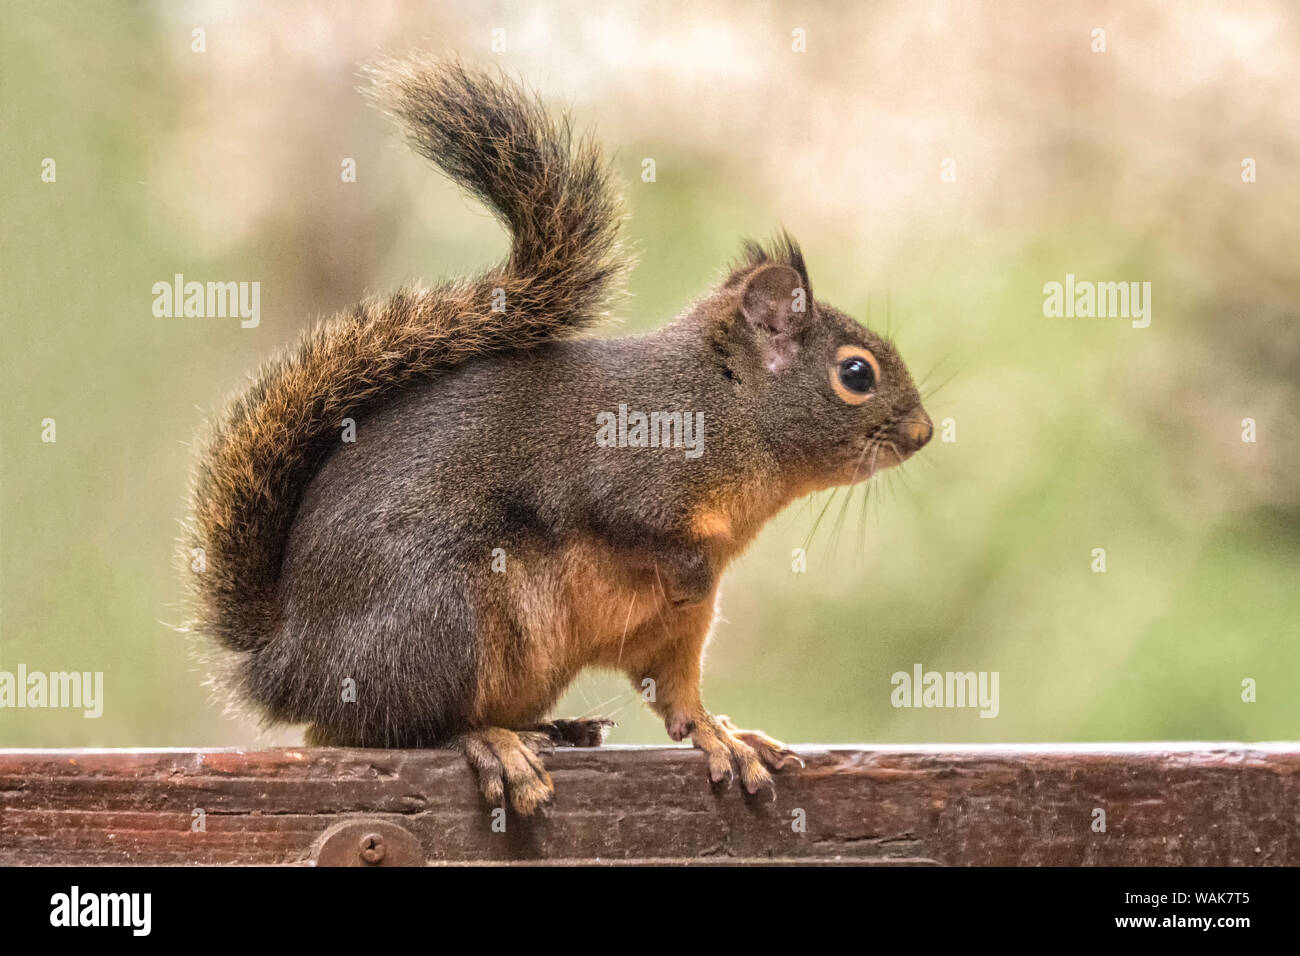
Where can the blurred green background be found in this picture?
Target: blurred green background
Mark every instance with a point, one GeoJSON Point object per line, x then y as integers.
{"type": "Point", "coordinates": [1071, 434]}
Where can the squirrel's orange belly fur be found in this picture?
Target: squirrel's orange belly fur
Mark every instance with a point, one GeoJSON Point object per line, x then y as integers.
{"type": "Point", "coordinates": [582, 610]}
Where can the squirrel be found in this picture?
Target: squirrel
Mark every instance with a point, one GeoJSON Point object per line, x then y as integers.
{"type": "Point", "coordinates": [501, 520]}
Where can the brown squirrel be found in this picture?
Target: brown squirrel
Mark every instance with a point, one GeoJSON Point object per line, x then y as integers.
{"type": "Point", "coordinates": [481, 541]}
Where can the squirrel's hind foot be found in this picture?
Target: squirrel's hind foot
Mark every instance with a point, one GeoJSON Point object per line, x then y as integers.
{"type": "Point", "coordinates": [575, 732]}
{"type": "Point", "coordinates": [508, 766]}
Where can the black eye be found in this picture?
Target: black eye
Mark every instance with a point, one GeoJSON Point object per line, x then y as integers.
{"type": "Point", "coordinates": [857, 375]}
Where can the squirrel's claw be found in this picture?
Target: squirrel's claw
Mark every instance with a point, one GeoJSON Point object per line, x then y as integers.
{"type": "Point", "coordinates": [720, 767]}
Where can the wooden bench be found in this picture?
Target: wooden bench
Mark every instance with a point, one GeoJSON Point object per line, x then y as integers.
{"type": "Point", "coordinates": [1163, 804]}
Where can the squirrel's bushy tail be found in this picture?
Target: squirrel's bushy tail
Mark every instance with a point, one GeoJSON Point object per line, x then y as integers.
{"type": "Point", "coordinates": [556, 196]}
{"type": "Point", "coordinates": [553, 193]}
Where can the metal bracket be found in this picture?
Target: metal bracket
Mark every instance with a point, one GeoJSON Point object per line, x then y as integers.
{"type": "Point", "coordinates": [367, 842]}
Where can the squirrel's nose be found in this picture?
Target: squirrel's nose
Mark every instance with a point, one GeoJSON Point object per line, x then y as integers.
{"type": "Point", "coordinates": [919, 428]}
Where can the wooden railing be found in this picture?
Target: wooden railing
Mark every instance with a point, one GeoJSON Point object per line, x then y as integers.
{"type": "Point", "coordinates": [1136, 804]}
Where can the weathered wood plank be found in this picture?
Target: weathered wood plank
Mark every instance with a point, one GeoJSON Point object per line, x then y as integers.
{"type": "Point", "coordinates": [1202, 804]}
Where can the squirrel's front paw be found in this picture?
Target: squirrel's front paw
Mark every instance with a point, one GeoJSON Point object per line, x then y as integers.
{"type": "Point", "coordinates": [508, 765]}
{"type": "Point", "coordinates": [730, 751]}
{"type": "Point", "coordinates": [773, 753]}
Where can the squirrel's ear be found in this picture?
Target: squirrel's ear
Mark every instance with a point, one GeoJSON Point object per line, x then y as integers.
{"type": "Point", "coordinates": [775, 304]}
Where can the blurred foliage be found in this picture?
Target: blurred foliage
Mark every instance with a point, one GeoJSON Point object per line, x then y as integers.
{"type": "Point", "coordinates": [1072, 434]}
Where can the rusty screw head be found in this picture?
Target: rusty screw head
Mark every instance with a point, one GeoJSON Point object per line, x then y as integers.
{"type": "Point", "coordinates": [372, 848]}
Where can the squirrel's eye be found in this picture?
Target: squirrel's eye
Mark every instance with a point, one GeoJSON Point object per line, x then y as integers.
{"type": "Point", "coordinates": [855, 374]}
